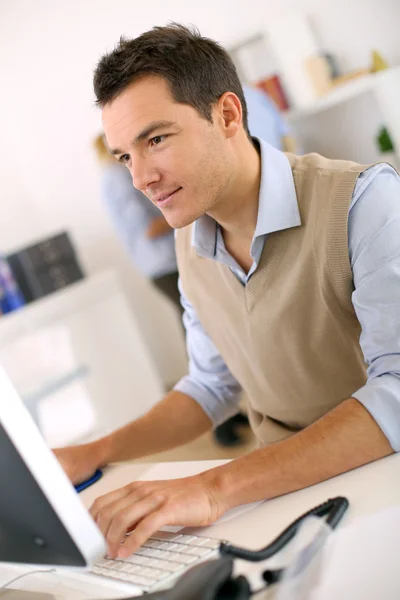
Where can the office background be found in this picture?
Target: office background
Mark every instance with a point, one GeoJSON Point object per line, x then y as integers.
{"type": "Point", "coordinates": [49, 177]}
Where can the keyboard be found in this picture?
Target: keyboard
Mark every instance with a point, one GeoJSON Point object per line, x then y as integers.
{"type": "Point", "coordinates": [161, 560]}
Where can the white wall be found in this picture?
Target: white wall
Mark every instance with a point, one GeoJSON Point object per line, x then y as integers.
{"type": "Point", "coordinates": [48, 49]}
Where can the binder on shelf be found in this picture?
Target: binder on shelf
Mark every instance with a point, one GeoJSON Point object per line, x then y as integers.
{"type": "Point", "coordinates": [45, 267]}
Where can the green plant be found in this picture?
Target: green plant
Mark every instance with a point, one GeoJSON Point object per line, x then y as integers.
{"type": "Point", "coordinates": [384, 141]}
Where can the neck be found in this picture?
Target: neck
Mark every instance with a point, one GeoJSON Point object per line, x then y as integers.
{"type": "Point", "coordinates": [237, 211]}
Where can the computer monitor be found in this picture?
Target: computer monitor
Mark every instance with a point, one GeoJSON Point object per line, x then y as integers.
{"type": "Point", "coordinates": [42, 519]}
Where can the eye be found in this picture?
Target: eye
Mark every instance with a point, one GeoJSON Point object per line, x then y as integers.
{"type": "Point", "coordinates": [155, 141]}
{"type": "Point", "coordinates": [124, 158]}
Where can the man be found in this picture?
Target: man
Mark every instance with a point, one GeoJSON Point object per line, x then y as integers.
{"type": "Point", "coordinates": [283, 262]}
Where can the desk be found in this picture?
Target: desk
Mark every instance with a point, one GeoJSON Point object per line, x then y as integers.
{"type": "Point", "coordinates": [369, 489]}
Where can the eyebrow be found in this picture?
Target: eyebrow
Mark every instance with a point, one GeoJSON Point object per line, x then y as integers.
{"type": "Point", "coordinates": [146, 133]}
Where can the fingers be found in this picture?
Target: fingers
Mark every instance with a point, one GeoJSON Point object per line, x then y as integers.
{"type": "Point", "coordinates": [145, 507]}
{"type": "Point", "coordinates": [111, 517]}
{"type": "Point", "coordinates": [119, 511]}
{"type": "Point", "coordinates": [102, 501]}
{"type": "Point", "coordinates": [145, 529]}
{"type": "Point", "coordinates": [125, 519]}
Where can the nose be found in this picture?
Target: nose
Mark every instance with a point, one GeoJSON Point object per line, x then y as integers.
{"type": "Point", "coordinates": [144, 173]}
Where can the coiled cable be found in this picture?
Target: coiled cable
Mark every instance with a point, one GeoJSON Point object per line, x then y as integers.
{"type": "Point", "coordinates": [333, 509]}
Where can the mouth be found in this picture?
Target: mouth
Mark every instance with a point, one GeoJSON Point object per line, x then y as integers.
{"type": "Point", "coordinates": [166, 199]}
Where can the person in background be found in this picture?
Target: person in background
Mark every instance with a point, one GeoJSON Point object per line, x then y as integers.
{"type": "Point", "coordinates": [149, 241]}
{"type": "Point", "coordinates": [139, 224]}
{"type": "Point", "coordinates": [266, 122]}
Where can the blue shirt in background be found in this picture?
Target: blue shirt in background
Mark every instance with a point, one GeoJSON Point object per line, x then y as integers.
{"type": "Point", "coordinates": [374, 252]}
{"type": "Point", "coordinates": [264, 119]}
{"type": "Point", "coordinates": [131, 213]}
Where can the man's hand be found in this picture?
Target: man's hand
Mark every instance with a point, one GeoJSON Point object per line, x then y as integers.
{"type": "Point", "coordinates": [79, 462]}
{"type": "Point", "coordinates": [144, 507]}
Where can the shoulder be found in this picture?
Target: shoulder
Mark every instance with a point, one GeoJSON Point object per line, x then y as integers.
{"type": "Point", "coordinates": [316, 161]}
{"type": "Point", "coordinates": [378, 191]}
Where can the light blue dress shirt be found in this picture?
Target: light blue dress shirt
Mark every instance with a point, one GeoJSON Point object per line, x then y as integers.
{"type": "Point", "coordinates": [131, 213]}
{"type": "Point", "coordinates": [264, 119]}
{"type": "Point", "coordinates": [374, 251]}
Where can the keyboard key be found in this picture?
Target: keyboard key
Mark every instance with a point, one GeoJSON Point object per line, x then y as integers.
{"type": "Point", "coordinates": [165, 536]}
{"type": "Point", "coordinates": [150, 552]}
{"type": "Point", "coordinates": [154, 544]}
{"type": "Point", "coordinates": [186, 539]}
{"type": "Point", "coordinates": [151, 573]}
{"type": "Point", "coordinates": [129, 568]}
{"type": "Point", "coordinates": [211, 543]}
{"type": "Point", "coordinates": [114, 565]}
{"type": "Point", "coordinates": [196, 551]}
{"type": "Point", "coordinates": [167, 565]}
{"type": "Point", "coordinates": [186, 559]}
{"type": "Point", "coordinates": [166, 545]}
{"type": "Point", "coordinates": [102, 561]}
{"type": "Point", "coordinates": [136, 559]}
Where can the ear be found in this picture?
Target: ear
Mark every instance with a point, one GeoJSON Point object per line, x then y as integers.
{"type": "Point", "coordinates": [229, 113]}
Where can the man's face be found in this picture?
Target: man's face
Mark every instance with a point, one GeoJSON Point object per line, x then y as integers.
{"type": "Point", "coordinates": [181, 161]}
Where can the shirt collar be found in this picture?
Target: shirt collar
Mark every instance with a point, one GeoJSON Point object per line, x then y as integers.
{"type": "Point", "coordinates": [277, 208]}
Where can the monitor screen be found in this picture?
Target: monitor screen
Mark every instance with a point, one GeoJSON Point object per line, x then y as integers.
{"type": "Point", "coordinates": [42, 519]}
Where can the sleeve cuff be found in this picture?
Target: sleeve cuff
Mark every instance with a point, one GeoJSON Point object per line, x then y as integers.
{"type": "Point", "coordinates": [381, 397]}
{"type": "Point", "coordinates": [217, 408]}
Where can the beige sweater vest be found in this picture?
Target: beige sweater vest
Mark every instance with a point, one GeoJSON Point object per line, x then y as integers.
{"type": "Point", "coordinates": [290, 336]}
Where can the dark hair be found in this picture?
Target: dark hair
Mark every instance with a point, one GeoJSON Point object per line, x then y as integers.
{"type": "Point", "coordinates": [198, 70]}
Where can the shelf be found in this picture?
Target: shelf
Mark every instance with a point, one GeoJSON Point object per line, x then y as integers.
{"type": "Point", "coordinates": [74, 298]}
{"type": "Point", "coordinates": [342, 93]}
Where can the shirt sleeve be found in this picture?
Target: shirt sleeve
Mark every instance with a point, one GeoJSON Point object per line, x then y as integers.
{"type": "Point", "coordinates": [280, 121]}
{"type": "Point", "coordinates": [209, 381]}
{"type": "Point", "coordinates": [374, 250]}
{"type": "Point", "coordinates": [283, 126]}
{"type": "Point", "coordinates": [124, 204]}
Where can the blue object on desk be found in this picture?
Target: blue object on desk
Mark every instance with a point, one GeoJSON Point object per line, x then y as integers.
{"type": "Point", "coordinates": [95, 477]}
{"type": "Point", "coordinates": [11, 297]}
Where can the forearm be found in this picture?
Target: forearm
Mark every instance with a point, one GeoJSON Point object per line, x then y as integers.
{"type": "Point", "coordinates": [175, 420]}
{"type": "Point", "coordinates": [345, 438]}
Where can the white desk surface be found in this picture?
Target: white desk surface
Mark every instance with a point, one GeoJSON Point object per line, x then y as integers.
{"type": "Point", "coordinates": [368, 489]}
